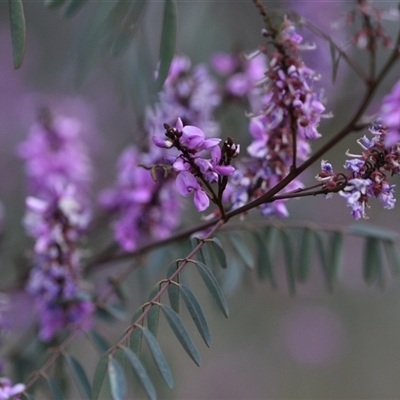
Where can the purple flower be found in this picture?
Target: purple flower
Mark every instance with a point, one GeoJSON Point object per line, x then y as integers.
{"type": "Point", "coordinates": [187, 183]}
{"type": "Point", "coordinates": [8, 390]}
{"type": "Point", "coordinates": [390, 115]}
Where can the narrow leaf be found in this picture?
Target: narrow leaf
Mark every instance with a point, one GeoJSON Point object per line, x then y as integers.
{"type": "Point", "coordinates": [158, 357]}
{"type": "Point", "coordinates": [336, 255]}
{"type": "Point", "coordinates": [117, 380]}
{"type": "Point", "coordinates": [372, 261]}
{"type": "Point", "coordinates": [168, 41]}
{"type": "Point", "coordinates": [55, 390]}
{"type": "Point", "coordinates": [213, 286]}
{"type": "Point", "coordinates": [181, 333]}
{"type": "Point", "coordinates": [392, 256]}
{"type": "Point", "coordinates": [241, 249]}
{"type": "Point", "coordinates": [319, 241]}
{"type": "Point", "coordinates": [100, 343]}
{"type": "Point", "coordinates": [264, 262]}
{"type": "Point", "coordinates": [288, 253]}
{"type": "Point", "coordinates": [205, 254]}
{"type": "Point", "coordinates": [99, 376]}
{"type": "Point", "coordinates": [219, 252]}
{"type": "Point", "coordinates": [305, 254]}
{"type": "Point", "coordinates": [18, 31]}
{"type": "Point", "coordinates": [127, 28]}
{"type": "Point", "coordinates": [135, 340]}
{"type": "Point", "coordinates": [373, 231]}
{"type": "Point", "coordinates": [53, 3]}
{"type": "Point", "coordinates": [153, 315]}
{"type": "Point", "coordinates": [80, 377]}
{"type": "Point", "coordinates": [140, 372]}
{"type": "Point", "coordinates": [73, 7]}
{"type": "Point", "coordinates": [173, 290]}
{"type": "Point", "coordinates": [196, 313]}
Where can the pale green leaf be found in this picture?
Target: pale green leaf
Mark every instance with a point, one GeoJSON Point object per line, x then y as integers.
{"type": "Point", "coordinates": [241, 249]}
{"type": "Point", "coordinates": [213, 286]}
{"type": "Point", "coordinates": [168, 41]}
{"type": "Point", "coordinates": [181, 333]}
{"type": "Point", "coordinates": [305, 254]}
{"type": "Point", "coordinates": [158, 357]}
{"type": "Point", "coordinates": [135, 340]}
{"type": "Point", "coordinates": [336, 246]}
{"type": "Point", "coordinates": [265, 268]}
{"type": "Point", "coordinates": [140, 372]}
{"type": "Point", "coordinates": [54, 389]}
{"type": "Point", "coordinates": [219, 252]}
{"type": "Point", "coordinates": [117, 380]}
{"type": "Point", "coordinates": [99, 376]}
{"type": "Point", "coordinates": [288, 253]}
{"type": "Point", "coordinates": [196, 313]}
{"type": "Point", "coordinates": [79, 376]}
{"type": "Point", "coordinates": [373, 261]}
{"type": "Point", "coordinates": [18, 31]}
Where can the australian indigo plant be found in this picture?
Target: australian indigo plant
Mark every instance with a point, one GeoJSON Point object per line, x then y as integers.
{"type": "Point", "coordinates": [186, 152]}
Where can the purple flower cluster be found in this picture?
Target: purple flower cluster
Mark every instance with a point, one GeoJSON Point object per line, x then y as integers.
{"type": "Point", "coordinates": [289, 117]}
{"type": "Point", "coordinates": [366, 176]}
{"type": "Point", "coordinates": [390, 115]}
{"type": "Point", "coordinates": [145, 208]}
{"type": "Point", "coordinates": [189, 94]}
{"type": "Point", "coordinates": [8, 390]}
{"type": "Point", "coordinates": [57, 216]}
{"type": "Point", "coordinates": [195, 173]}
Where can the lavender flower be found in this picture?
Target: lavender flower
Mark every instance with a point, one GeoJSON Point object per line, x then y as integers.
{"type": "Point", "coordinates": [8, 390]}
{"type": "Point", "coordinates": [144, 209]}
{"type": "Point", "coordinates": [367, 177]}
{"type": "Point", "coordinates": [390, 115]}
{"type": "Point", "coordinates": [57, 216]}
{"type": "Point", "coordinates": [290, 111]}
{"type": "Point", "coordinates": [195, 172]}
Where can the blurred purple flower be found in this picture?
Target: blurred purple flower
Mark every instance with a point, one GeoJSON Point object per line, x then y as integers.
{"type": "Point", "coordinates": [390, 115]}
{"type": "Point", "coordinates": [8, 390]}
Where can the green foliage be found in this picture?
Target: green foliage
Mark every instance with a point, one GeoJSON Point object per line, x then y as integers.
{"type": "Point", "coordinates": [173, 288]}
{"type": "Point", "coordinates": [54, 389]}
{"type": "Point", "coordinates": [168, 41]}
{"type": "Point", "coordinates": [117, 380]}
{"type": "Point", "coordinates": [181, 333]}
{"type": "Point", "coordinates": [136, 337]}
{"type": "Point", "coordinates": [140, 372]}
{"type": "Point", "coordinates": [101, 344]}
{"type": "Point", "coordinates": [99, 376]}
{"type": "Point", "coordinates": [79, 376]}
{"type": "Point", "coordinates": [18, 31]}
{"type": "Point", "coordinates": [154, 314]}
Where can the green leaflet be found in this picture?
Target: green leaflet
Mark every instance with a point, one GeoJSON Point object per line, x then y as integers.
{"type": "Point", "coordinates": [73, 7]}
{"type": "Point", "coordinates": [319, 241]}
{"type": "Point", "coordinates": [196, 313]}
{"type": "Point", "coordinates": [153, 315]}
{"type": "Point", "coordinates": [265, 268]}
{"type": "Point", "coordinates": [173, 290]}
{"type": "Point", "coordinates": [213, 286]}
{"type": "Point", "coordinates": [18, 31]}
{"type": "Point", "coordinates": [168, 41]}
{"type": "Point", "coordinates": [373, 262]}
{"type": "Point", "coordinates": [181, 333]}
{"type": "Point", "coordinates": [99, 375]}
{"type": "Point", "coordinates": [376, 232]}
{"type": "Point", "coordinates": [305, 254]}
{"type": "Point", "coordinates": [288, 253]}
{"type": "Point", "coordinates": [54, 389]}
{"type": "Point", "coordinates": [158, 357]}
{"type": "Point", "coordinates": [79, 376]}
{"type": "Point", "coordinates": [53, 3]}
{"type": "Point", "coordinates": [117, 380]}
{"type": "Point", "coordinates": [241, 248]}
{"type": "Point", "coordinates": [336, 246]}
{"type": "Point", "coordinates": [127, 28]}
{"type": "Point", "coordinates": [135, 340]}
{"type": "Point", "coordinates": [219, 252]}
{"type": "Point", "coordinates": [392, 256]}
{"type": "Point", "coordinates": [100, 343]}
{"type": "Point", "coordinates": [141, 372]}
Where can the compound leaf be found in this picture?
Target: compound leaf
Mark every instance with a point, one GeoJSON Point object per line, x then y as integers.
{"type": "Point", "coordinates": [181, 333]}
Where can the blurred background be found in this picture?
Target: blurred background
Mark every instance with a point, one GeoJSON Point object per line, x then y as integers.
{"type": "Point", "coordinates": [317, 344]}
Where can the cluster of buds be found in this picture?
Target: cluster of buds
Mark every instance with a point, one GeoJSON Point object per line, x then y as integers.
{"type": "Point", "coordinates": [196, 173]}
{"type": "Point", "coordinates": [372, 30]}
{"type": "Point", "coordinates": [367, 173]}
